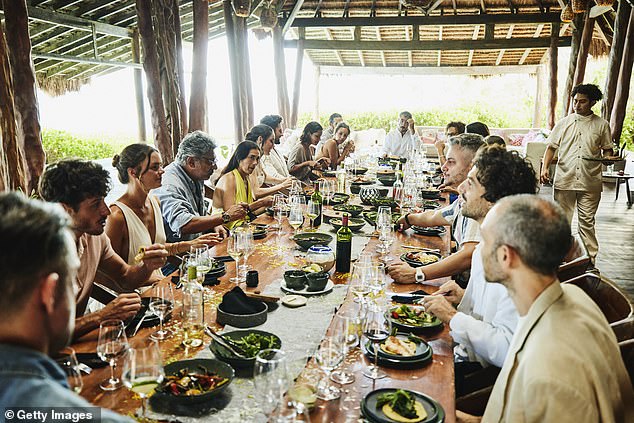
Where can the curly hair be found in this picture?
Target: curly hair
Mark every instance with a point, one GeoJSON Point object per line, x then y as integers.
{"type": "Point", "coordinates": [503, 173]}
{"type": "Point", "coordinates": [592, 91]}
{"type": "Point", "coordinates": [310, 129]}
{"type": "Point", "coordinates": [71, 181]}
{"type": "Point", "coordinates": [271, 120]}
{"type": "Point", "coordinates": [460, 127]}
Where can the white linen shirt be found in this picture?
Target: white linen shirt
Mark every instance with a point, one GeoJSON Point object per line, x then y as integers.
{"type": "Point", "coordinates": [486, 320]}
{"type": "Point", "coordinates": [400, 145]}
{"type": "Point", "coordinates": [274, 165]}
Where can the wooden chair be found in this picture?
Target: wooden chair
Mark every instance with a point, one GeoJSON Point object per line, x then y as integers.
{"type": "Point", "coordinates": [627, 353]}
{"type": "Point", "coordinates": [576, 262]}
{"type": "Point", "coordinates": [614, 303]}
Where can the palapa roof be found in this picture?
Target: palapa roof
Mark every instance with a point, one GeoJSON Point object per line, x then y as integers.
{"type": "Point", "coordinates": [73, 40]}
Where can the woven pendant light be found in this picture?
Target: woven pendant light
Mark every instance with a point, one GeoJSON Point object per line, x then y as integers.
{"type": "Point", "coordinates": [579, 6]}
{"type": "Point", "coordinates": [242, 8]}
{"type": "Point", "coordinates": [567, 14]}
{"type": "Point", "coordinates": [268, 16]}
{"type": "Point", "coordinates": [604, 2]}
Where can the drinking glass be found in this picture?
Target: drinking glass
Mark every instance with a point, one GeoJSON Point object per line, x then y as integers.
{"type": "Point", "coordinates": [386, 238]}
{"type": "Point", "coordinates": [161, 304]}
{"type": "Point", "coordinates": [202, 258]}
{"type": "Point", "coordinates": [312, 210]}
{"type": "Point", "coordinates": [295, 217]}
{"type": "Point", "coordinates": [377, 284]}
{"type": "Point", "coordinates": [359, 281]}
{"type": "Point", "coordinates": [296, 187]}
{"type": "Point", "coordinates": [67, 360]}
{"type": "Point", "coordinates": [279, 209]}
{"type": "Point", "coordinates": [377, 326]}
{"type": "Point", "coordinates": [271, 378]}
{"type": "Point", "coordinates": [111, 343]}
{"type": "Point", "coordinates": [236, 251]}
{"type": "Point", "coordinates": [192, 271]}
{"type": "Point", "coordinates": [384, 216]}
{"type": "Point", "coordinates": [143, 370]}
{"type": "Point", "coordinates": [328, 357]}
{"type": "Point", "coordinates": [248, 246]}
{"type": "Point", "coordinates": [346, 327]}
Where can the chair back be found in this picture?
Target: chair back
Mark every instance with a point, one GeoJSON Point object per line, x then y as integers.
{"type": "Point", "coordinates": [627, 353]}
{"type": "Point", "coordinates": [573, 269]}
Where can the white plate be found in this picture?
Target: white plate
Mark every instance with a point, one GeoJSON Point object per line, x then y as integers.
{"type": "Point", "coordinates": [292, 300]}
{"type": "Point", "coordinates": [305, 292]}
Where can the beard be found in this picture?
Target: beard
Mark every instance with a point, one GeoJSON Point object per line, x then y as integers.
{"type": "Point", "coordinates": [276, 141]}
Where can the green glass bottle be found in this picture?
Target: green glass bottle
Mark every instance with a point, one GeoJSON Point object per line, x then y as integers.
{"type": "Point", "coordinates": [317, 199]}
{"type": "Point", "coordinates": [344, 246]}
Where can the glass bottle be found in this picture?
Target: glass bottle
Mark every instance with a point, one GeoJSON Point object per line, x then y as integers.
{"type": "Point", "coordinates": [344, 246]}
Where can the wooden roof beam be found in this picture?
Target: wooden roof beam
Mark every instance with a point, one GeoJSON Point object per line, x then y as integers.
{"type": "Point", "coordinates": [378, 37]}
{"type": "Point", "coordinates": [427, 70]}
{"type": "Point", "coordinates": [439, 39]}
{"type": "Point", "coordinates": [291, 17]}
{"type": "Point", "coordinates": [537, 33]}
{"type": "Point", "coordinates": [318, 9]}
{"type": "Point", "coordinates": [329, 36]}
{"type": "Point", "coordinates": [509, 34]}
{"type": "Point", "coordinates": [70, 21]}
{"type": "Point", "coordinates": [475, 19]}
{"type": "Point", "coordinates": [476, 32]}
{"type": "Point", "coordinates": [346, 9]}
{"type": "Point", "coordinates": [425, 45]}
{"type": "Point", "coordinates": [410, 55]}
{"type": "Point", "coordinates": [455, 8]}
{"type": "Point", "coordinates": [356, 35]}
{"type": "Point", "coordinates": [86, 60]}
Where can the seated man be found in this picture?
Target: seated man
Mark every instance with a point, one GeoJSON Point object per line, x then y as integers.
{"type": "Point", "coordinates": [329, 132]}
{"type": "Point", "coordinates": [462, 150]}
{"type": "Point", "coordinates": [483, 325]}
{"type": "Point", "coordinates": [37, 308]}
{"type": "Point", "coordinates": [182, 199]}
{"type": "Point", "coordinates": [564, 364]}
{"type": "Point", "coordinates": [478, 128]}
{"type": "Point", "coordinates": [452, 129]}
{"type": "Point", "coordinates": [80, 187]}
{"type": "Point", "coordinates": [403, 140]}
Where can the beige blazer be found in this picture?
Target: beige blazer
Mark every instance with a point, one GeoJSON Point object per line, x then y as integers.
{"type": "Point", "coordinates": [564, 365]}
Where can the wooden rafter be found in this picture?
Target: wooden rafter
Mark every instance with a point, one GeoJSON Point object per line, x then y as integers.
{"type": "Point", "coordinates": [291, 17]}
{"type": "Point", "coordinates": [537, 33]}
{"type": "Point", "coordinates": [509, 34]}
{"type": "Point", "coordinates": [439, 39]}
{"type": "Point", "coordinates": [356, 34]}
{"type": "Point", "coordinates": [346, 9]}
{"type": "Point", "coordinates": [318, 9]}
{"type": "Point", "coordinates": [329, 37]}
{"type": "Point", "coordinates": [410, 58]}
{"type": "Point", "coordinates": [74, 22]}
{"type": "Point", "coordinates": [378, 37]}
{"type": "Point", "coordinates": [476, 32]}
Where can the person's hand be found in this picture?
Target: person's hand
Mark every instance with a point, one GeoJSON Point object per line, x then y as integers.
{"type": "Point", "coordinates": [154, 256]}
{"type": "Point", "coordinates": [402, 273]}
{"type": "Point", "coordinates": [311, 163]}
{"type": "Point", "coordinates": [452, 292]}
{"type": "Point", "coordinates": [410, 123]}
{"type": "Point", "coordinates": [286, 183]}
{"type": "Point", "coordinates": [349, 148]}
{"type": "Point", "coordinates": [324, 161]}
{"type": "Point", "coordinates": [267, 201]}
{"type": "Point", "coordinates": [544, 177]}
{"type": "Point", "coordinates": [439, 307]}
{"type": "Point", "coordinates": [221, 231]}
{"type": "Point", "coordinates": [237, 211]}
{"type": "Point", "coordinates": [209, 239]}
{"type": "Point", "coordinates": [401, 223]}
{"type": "Point", "coordinates": [440, 146]}
{"type": "Point", "coordinates": [449, 189]}
{"type": "Point", "coordinates": [122, 307]}
{"type": "Point", "coordinates": [462, 417]}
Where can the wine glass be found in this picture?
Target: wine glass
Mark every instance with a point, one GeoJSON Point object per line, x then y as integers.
{"type": "Point", "coordinates": [384, 216]}
{"type": "Point", "coordinates": [386, 238]}
{"type": "Point", "coordinates": [359, 281]}
{"type": "Point", "coordinates": [248, 245]}
{"type": "Point", "coordinates": [296, 187]}
{"type": "Point", "coordinates": [377, 283]}
{"type": "Point", "coordinates": [161, 304]}
{"type": "Point", "coordinates": [236, 251]}
{"type": "Point", "coordinates": [143, 371]}
{"type": "Point", "coordinates": [328, 357]}
{"type": "Point", "coordinates": [201, 256]}
{"type": "Point", "coordinates": [346, 327]}
{"type": "Point", "coordinates": [377, 327]}
{"type": "Point", "coordinates": [295, 217]}
{"type": "Point", "coordinates": [111, 343]}
{"type": "Point", "coordinates": [312, 211]}
{"type": "Point", "coordinates": [192, 271]}
{"type": "Point", "coordinates": [271, 378]}
{"type": "Point", "coordinates": [67, 360]}
{"type": "Point", "coordinates": [279, 209]}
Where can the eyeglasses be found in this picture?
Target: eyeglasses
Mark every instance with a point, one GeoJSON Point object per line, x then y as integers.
{"type": "Point", "coordinates": [209, 161]}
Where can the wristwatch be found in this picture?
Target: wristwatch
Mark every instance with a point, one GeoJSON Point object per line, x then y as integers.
{"type": "Point", "coordinates": [420, 275]}
{"type": "Point", "coordinates": [225, 217]}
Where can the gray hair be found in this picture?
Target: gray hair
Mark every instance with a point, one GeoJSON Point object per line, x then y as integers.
{"type": "Point", "coordinates": [406, 114]}
{"type": "Point", "coordinates": [536, 228]}
{"type": "Point", "coordinates": [195, 144]}
{"type": "Point", "coordinates": [469, 142]}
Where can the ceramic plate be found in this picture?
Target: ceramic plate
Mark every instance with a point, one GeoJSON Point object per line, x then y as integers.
{"type": "Point", "coordinates": [306, 292]}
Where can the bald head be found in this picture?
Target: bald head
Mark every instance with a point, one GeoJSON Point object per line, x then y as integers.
{"type": "Point", "coordinates": [536, 228]}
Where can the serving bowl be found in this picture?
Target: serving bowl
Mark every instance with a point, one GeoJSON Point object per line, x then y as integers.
{"type": "Point", "coordinates": [241, 320]}
{"type": "Point", "coordinates": [308, 239]}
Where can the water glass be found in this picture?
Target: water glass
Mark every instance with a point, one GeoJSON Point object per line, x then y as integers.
{"type": "Point", "coordinates": [328, 357]}
{"type": "Point", "coordinates": [360, 281]}
{"type": "Point", "coordinates": [377, 327]}
{"type": "Point", "coordinates": [271, 378]}
{"type": "Point", "coordinates": [295, 216]}
{"type": "Point", "coordinates": [143, 370]}
{"type": "Point", "coordinates": [346, 327]}
{"type": "Point", "coordinates": [112, 343]}
{"type": "Point", "coordinates": [235, 249]}
{"type": "Point", "coordinates": [67, 360]}
{"type": "Point", "coordinates": [161, 304]}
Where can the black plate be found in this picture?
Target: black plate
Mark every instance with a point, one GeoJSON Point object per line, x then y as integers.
{"type": "Point", "coordinates": [329, 173]}
{"type": "Point", "coordinates": [363, 182]}
{"type": "Point", "coordinates": [430, 195]}
{"type": "Point", "coordinates": [403, 327]}
{"type": "Point", "coordinates": [223, 354]}
{"type": "Point", "coordinates": [429, 231]}
{"type": "Point", "coordinates": [150, 321]}
{"type": "Point", "coordinates": [435, 412]}
{"type": "Point", "coordinates": [416, 263]}
{"type": "Point", "coordinates": [431, 205]}
{"type": "Point", "coordinates": [339, 198]}
{"type": "Point", "coordinates": [423, 349]}
{"type": "Point", "coordinates": [352, 209]}
{"type": "Point", "coordinates": [198, 404]}
{"type": "Point", "coordinates": [215, 273]}
{"type": "Point", "coordinates": [359, 170]}
{"type": "Point", "coordinates": [355, 224]}
{"type": "Point", "coordinates": [396, 363]}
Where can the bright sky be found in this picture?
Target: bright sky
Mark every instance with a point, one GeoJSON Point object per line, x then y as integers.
{"type": "Point", "coordinates": [107, 105]}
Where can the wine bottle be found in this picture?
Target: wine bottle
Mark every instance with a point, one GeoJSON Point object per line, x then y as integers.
{"type": "Point", "coordinates": [317, 199]}
{"type": "Point", "coordinates": [344, 246]}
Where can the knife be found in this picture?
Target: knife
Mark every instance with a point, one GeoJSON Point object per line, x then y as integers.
{"type": "Point", "coordinates": [219, 339]}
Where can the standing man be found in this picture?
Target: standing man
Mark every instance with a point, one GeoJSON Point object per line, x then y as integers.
{"type": "Point", "coordinates": [579, 136]}
{"type": "Point", "coordinates": [401, 141]}
{"type": "Point", "coordinates": [563, 364]}
{"type": "Point", "coordinates": [182, 202]}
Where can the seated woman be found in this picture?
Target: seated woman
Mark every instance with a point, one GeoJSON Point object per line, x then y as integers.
{"type": "Point", "coordinates": [234, 186]}
{"type": "Point", "coordinates": [136, 219]}
{"type": "Point", "coordinates": [330, 148]}
{"type": "Point", "coordinates": [300, 159]}
{"type": "Point", "coordinates": [263, 183]}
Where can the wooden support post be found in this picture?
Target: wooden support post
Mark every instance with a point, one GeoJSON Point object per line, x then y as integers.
{"type": "Point", "coordinates": [586, 38]}
{"type": "Point", "coordinates": [198, 95]}
{"type": "Point", "coordinates": [553, 55]}
{"type": "Point", "coordinates": [162, 139]}
{"type": "Point", "coordinates": [623, 86]}
{"type": "Point", "coordinates": [12, 166]}
{"type": "Point", "coordinates": [24, 89]}
{"type": "Point", "coordinates": [280, 73]}
{"type": "Point", "coordinates": [317, 78]}
{"type": "Point", "coordinates": [299, 62]}
{"type": "Point", "coordinates": [539, 76]}
{"type": "Point", "coordinates": [138, 86]}
{"type": "Point", "coordinates": [614, 61]}
{"type": "Point", "coordinates": [572, 63]}
{"type": "Point", "coordinates": [180, 72]}
{"type": "Point", "coordinates": [245, 71]}
{"type": "Point", "coordinates": [234, 69]}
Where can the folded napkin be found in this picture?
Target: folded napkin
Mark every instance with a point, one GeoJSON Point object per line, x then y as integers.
{"type": "Point", "coordinates": [237, 302]}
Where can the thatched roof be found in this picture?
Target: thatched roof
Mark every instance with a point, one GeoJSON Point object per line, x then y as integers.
{"type": "Point", "coordinates": [74, 40]}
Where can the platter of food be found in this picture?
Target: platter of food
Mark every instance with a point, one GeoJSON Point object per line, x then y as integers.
{"type": "Point", "coordinates": [429, 230]}
{"type": "Point", "coordinates": [248, 342]}
{"type": "Point", "coordinates": [420, 258]}
{"type": "Point", "coordinates": [413, 319]}
{"type": "Point", "coordinates": [389, 405]}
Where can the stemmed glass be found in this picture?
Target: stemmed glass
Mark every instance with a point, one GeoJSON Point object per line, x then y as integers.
{"type": "Point", "coordinates": [192, 271]}
{"type": "Point", "coordinates": [377, 283]}
{"type": "Point", "coordinates": [143, 371]}
{"type": "Point", "coordinates": [295, 216]}
{"type": "Point", "coordinates": [279, 209]}
{"type": "Point", "coordinates": [202, 258]}
{"type": "Point", "coordinates": [111, 343]}
{"type": "Point", "coordinates": [328, 357]}
{"type": "Point", "coordinates": [249, 248]}
{"type": "Point", "coordinates": [312, 211]}
{"type": "Point", "coordinates": [384, 216]}
{"type": "Point", "coordinates": [236, 251]}
{"type": "Point", "coordinates": [377, 327]}
{"type": "Point", "coordinates": [161, 305]}
{"type": "Point", "coordinates": [346, 327]}
{"type": "Point", "coordinates": [386, 238]}
{"type": "Point", "coordinates": [327, 189]}
{"type": "Point", "coordinates": [296, 187]}
{"type": "Point", "coordinates": [271, 378]}
{"type": "Point", "coordinates": [359, 281]}
{"type": "Point", "coordinates": [67, 360]}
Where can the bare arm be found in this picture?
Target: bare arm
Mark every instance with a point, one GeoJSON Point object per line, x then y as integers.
{"type": "Point", "coordinates": [131, 277]}
{"type": "Point", "coordinates": [122, 308]}
{"type": "Point", "coordinates": [117, 231]}
{"type": "Point", "coordinates": [544, 177]}
{"type": "Point", "coordinates": [424, 219]}
{"type": "Point", "coordinates": [332, 149]}
{"type": "Point", "coordinates": [452, 264]}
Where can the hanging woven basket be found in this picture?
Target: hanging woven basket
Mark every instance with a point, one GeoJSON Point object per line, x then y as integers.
{"type": "Point", "coordinates": [242, 8]}
{"type": "Point", "coordinates": [567, 14]}
{"type": "Point", "coordinates": [268, 17]}
{"type": "Point", "coordinates": [579, 6]}
{"type": "Point", "coordinates": [604, 2]}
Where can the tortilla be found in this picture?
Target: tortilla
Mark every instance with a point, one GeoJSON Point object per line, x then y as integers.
{"type": "Point", "coordinates": [140, 255]}
{"type": "Point", "coordinates": [393, 415]}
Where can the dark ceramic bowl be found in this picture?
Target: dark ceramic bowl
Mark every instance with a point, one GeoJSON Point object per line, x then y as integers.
{"type": "Point", "coordinates": [317, 281]}
{"type": "Point", "coordinates": [308, 239]}
{"type": "Point", "coordinates": [241, 320]}
{"type": "Point", "coordinates": [353, 210]}
{"type": "Point", "coordinates": [295, 279]}
{"type": "Point", "coordinates": [353, 224]}
{"type": "Point", "coordinates": [388, 181]}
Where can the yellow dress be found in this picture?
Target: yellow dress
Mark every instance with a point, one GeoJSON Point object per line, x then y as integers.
{"type": "Point", "coordinates": [244, 194]}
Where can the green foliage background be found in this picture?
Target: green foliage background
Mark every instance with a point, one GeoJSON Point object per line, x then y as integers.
{"type": "Point", "coordinates": [61, 144]}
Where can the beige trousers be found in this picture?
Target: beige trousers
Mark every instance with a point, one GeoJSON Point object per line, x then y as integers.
{"type": "Point", "coordinates": [586, 203]}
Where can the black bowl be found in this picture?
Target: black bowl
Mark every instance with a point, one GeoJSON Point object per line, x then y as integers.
{"type": "Point", "coordinates": [295, 279]}
{"type": "Point", "coordinates": [339, 198]}
{"type": "Point", "coordinates": [359, 170]}
{"type": "Point", "coordinates": [317, 281]}
{"type": "Point", "coordinates": [353, 210]}
{"type": "Point", "coordinates": [388, 181]}
{"type": "Point", "coordinates": [308, 239]}
{"type": "Point", "coordinates": [225, 355]}
{"type": "Point", "coordinates": [353, 224]}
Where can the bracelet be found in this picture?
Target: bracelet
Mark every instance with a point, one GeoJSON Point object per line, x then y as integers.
{"type": "Point", "coordinates": [407, 219]}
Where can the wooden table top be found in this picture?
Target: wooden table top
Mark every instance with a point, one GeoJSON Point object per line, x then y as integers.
{"type": "Point", "coordinates": [436, 379]}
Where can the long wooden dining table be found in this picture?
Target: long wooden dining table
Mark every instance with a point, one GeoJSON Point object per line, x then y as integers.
{"type": "Point", "coordinates": [436, 379]}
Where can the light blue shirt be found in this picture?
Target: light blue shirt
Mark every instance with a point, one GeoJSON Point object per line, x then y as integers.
{"type": "Point", "coordinates": [181, 200]}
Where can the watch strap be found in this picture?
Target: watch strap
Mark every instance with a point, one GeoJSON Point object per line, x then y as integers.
{"type": "Point", "coordinates": [420, 275]}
